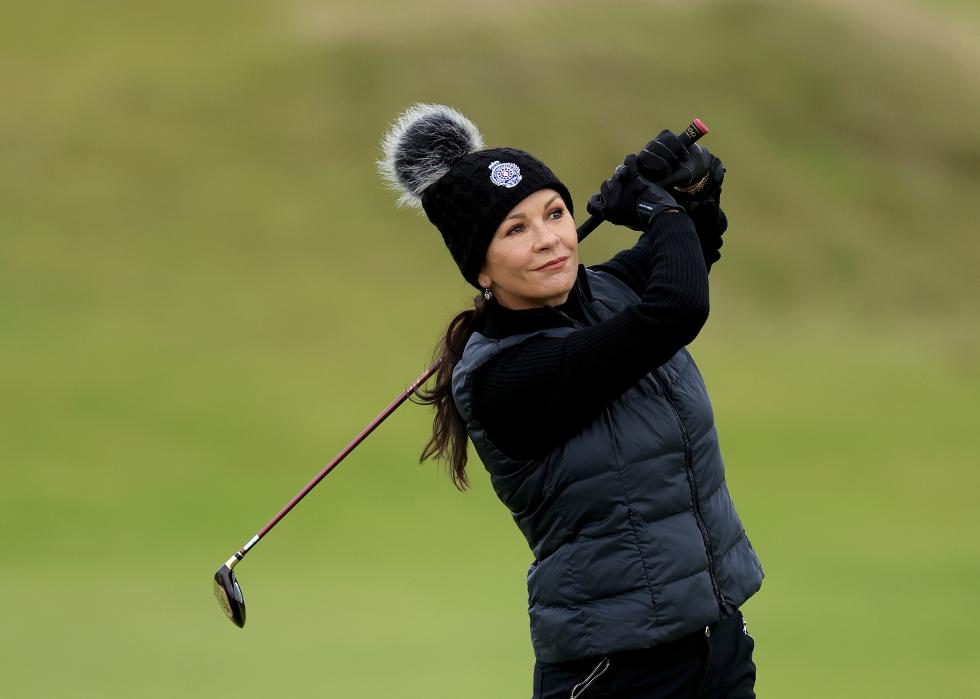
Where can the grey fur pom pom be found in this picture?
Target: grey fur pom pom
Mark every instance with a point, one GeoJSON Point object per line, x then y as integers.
{"type": "Point", "coordinates": [422, 145]}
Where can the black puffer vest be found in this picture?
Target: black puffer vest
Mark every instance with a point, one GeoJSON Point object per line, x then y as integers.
{"type": "Point", "coordinates": [635, 538]}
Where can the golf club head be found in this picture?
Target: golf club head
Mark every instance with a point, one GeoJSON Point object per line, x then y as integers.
{"type": "Point", "coordinates": [229, 595]}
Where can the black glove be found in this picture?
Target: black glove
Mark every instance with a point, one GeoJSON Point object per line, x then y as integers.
{"type": "Point", "coordinates": [696, 185]}
{"type": "Point", "coordinates": [703, 203]}
{"type": "Point", "coordinates": [704, 206]}
{"type": "Point", "coordinates": [661, 157]}
{"type": "Point", "coordinates": [691, 175]}
{"type": "Point", "coordinates": [699, 177]}
{"type": "Point", "coordinates": [629, 199]}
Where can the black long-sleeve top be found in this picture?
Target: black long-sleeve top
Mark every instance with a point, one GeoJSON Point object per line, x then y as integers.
{"type": "Point", "coordinates": [536, 395]}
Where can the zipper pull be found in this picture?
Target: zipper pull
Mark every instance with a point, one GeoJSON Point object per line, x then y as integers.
{"type": "Point", "coordinates": [598, 672]}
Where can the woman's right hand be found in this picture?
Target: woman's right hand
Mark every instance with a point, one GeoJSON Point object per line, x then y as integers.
{"type": "Point", "coordinates": [630, 199]}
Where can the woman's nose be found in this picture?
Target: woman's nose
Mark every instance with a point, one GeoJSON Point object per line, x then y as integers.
{"type": "Point", "coordinates": [546, 239]}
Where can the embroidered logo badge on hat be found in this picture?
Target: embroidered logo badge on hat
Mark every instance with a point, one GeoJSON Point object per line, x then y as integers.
{"type": "Point", "coordinates": [504, 174]}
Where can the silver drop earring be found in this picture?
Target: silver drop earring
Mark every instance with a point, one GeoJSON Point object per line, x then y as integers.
{"type": "Point", "coordinates": [487, 294]}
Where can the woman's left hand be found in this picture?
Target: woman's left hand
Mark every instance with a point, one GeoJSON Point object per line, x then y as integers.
{"type": "Point", "coordinates": [699, 172]}
{"type": "Point", "coordinates": [702, 199]}
{"type": "Point", "coordinates": [629, 199]}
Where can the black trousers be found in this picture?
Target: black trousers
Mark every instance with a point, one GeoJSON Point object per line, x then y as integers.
{"type": "Point", "coordinates": [715, 663]}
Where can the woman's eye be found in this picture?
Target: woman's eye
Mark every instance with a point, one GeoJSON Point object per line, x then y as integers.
{"type": "Point", "coordinates": [516, 229]}
{"type": "Point", "coordinates": [556, 214]}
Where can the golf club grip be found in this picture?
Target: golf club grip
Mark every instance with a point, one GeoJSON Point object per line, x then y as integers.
{"type": "Point", "coordinates": [695, 130]}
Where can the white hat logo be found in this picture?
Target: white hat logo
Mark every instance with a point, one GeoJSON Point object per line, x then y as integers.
{"type": "Point", "coordinates": [504, 174]}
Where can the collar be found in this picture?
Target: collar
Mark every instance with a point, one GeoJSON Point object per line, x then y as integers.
{"type": "Point", "coordinates": [502, 322]}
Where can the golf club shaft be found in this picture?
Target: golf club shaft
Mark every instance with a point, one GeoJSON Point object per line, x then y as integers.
{"type": "Point", "coordinates": [695, 130]}
{"type": "Point", "coordinates": [402, 397]}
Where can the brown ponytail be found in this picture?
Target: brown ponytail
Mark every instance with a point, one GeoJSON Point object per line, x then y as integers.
{"type": "Point", "coordinates": [448, 442]}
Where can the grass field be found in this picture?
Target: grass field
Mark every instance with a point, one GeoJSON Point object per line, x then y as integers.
{"type": "Point", "coordinates": [205, 292]}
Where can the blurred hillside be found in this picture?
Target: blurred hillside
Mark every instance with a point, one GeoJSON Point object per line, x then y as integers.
{"type": "Point", "coordinates": [847, 132]}
{"type": "Point", "coordinates": [205, 290]}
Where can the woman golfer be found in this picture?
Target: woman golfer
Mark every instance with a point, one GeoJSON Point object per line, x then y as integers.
{"type": "Point", "coordinates": [586, 409]}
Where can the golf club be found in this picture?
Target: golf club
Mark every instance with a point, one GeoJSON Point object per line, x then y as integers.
{"type": "Point", "coordinates": [226, 587]}
{"type": "Point", "coordinates": [227, 590]}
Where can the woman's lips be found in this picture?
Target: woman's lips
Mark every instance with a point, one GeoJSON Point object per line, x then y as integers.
{"type": "Point", "coordinates": [554, 264]}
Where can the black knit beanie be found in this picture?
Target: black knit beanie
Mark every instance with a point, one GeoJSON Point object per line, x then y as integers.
{"type": "Point", "coordinates": [435, 157]}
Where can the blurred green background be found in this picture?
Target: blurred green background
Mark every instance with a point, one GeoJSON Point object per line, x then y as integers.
{"type": "Point", "coordinates": [205, 291]}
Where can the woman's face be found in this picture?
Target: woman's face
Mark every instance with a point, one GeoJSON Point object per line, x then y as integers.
{"type": "Point", "coordinates": [532, 260]}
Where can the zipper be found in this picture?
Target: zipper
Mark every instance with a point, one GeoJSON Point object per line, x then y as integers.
{"type": "Point", "coordinates": [584, 302]}
{"type": "Point", "coordinates": [692, 483]}
{"type": "Point", "coordinates": [688, 465]}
